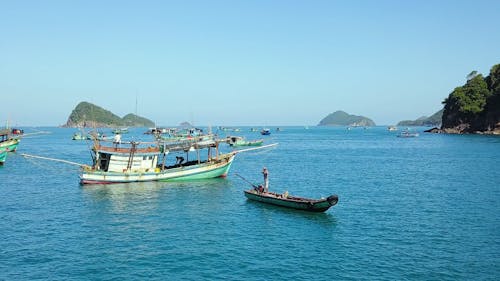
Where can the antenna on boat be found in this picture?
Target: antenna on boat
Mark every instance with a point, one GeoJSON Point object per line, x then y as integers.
{"type": "Point", "coordinates": [135, 117]}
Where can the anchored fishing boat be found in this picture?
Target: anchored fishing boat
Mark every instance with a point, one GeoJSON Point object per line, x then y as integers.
{"type": "Point", "coordinates": [120, 131]}
{"type": "Point", "coordinates": [294, 202]}
{"type": "Point", "coordinates": [240, 141]}
{"type": "Point", "coordinates": [7, 142]}
{"type": "Point", "coordinates": [138, 162]}
{"type": "Point", "coordinates": [80, 136]}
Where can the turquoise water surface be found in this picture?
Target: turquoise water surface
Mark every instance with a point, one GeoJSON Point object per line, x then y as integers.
{"type": "Point", "coordinates": [425, 208]}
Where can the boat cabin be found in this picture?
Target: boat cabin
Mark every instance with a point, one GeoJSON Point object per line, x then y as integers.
{"type": "Point", "coordinates": [120, 159]}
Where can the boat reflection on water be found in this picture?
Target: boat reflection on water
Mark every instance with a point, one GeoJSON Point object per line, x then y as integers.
{"type": "Point", "coordinates": [149, 197]}
{"type": "Point", "coordinates": [269, 212]}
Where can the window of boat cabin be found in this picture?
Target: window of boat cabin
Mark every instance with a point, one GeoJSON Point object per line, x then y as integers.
{"type": "Point", "coordinates": [104, 161]}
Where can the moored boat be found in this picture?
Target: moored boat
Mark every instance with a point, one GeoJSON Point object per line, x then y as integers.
{"type": "Point", "coordinates": [120, 131]}
{"type": "Point", "coordinates": [392, 128]}
{"type": "Point", "coordinates": [7, 142]}
{"type": "Point", "coordinates": [265, 132]}
{"type": "Point", "coordinates": [139, 162]}
{"type": "Point", "coordinates": [80, 136]}
{"type": "Point", "coordinates": [407, 134]}
{"type": "Point", "coordinates": [240, 141]}
{"type": "Point", "coordinates": [16, 131]}
{"type": "Point", "coordinates": [294, 202]}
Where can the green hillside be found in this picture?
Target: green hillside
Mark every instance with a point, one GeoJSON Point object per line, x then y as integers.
{"type": "Point", "coordinates": [341, 118]}
{"type": "Point", "coordinates": [87, 114]}
{"type": "Point", "coordinates": [475, 106]}
{"type": "Point", "coordinates": [434, 120]}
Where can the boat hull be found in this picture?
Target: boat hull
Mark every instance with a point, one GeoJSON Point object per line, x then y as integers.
{"type": "Point", "coordinates": [206, 170]}
{"type": "Point", "coordinates": [305, 204]}
{"type": "Point", "coordinates": [3, 156]}
{"type": "Point", "coordinates": [249, 143]}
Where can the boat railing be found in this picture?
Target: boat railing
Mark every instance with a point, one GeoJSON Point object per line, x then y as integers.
{"type": "Point", "coordinates": [126, 147]}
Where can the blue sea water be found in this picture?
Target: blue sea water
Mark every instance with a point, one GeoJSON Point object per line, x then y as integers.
{"type": "Point", "coordinates": [425, 208]}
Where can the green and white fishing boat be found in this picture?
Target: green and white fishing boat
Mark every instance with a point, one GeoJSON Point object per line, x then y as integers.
{"type": "Point", "coordinates": [80, 136]}
{"type": "Point", "coordinates": [3, 155]}
{"type": "Point", "coordinates": [138, 162]}
{"type": "Point", "coordinates": [7, 142]}
{"type": "Point", "coordinates": [240, 141]}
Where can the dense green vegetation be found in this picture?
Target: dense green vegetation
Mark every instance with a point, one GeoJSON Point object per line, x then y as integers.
{"type": "Point", "coordinates": [86, 114]}
{"type": "Point", "coordinates": [474, 106]}
{"type": "Point", "coordinates": [341, 118]}
{"type": "Point", "coordinates": [132, 120]}
{"type": "Point", "coordinates": [433, 120]}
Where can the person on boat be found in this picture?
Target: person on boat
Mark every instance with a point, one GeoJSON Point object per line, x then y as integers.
{"type": "Point", "coordinates": [259, 188]}
{"type": "Point", "coordinates": [179, 160]}
{"type": "Point", "coordinates": [117, 139]}
{"type": "Point", "coordinates": [285, 194]}
{"type": "Point", "coordinates": [265, 172]}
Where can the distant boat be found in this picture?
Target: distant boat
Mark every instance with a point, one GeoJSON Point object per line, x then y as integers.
{"type": "Point", "coordinates": [79, 136]}
{"type": "Point", "coordinates": [120, 131]}
{"type": "Point", "coordinates": [392, 128]}
{"type": "Point", "coordinates": [298, 203]}
{"type": "Point", "coordinates": [265, 132]}
{"type": "Point", "coordinates": [407, 134]}
{"type": "Point", "coordinates": [16, 131]}
{"type": "Point", "coordinates": [7, 142]}
{"type": "Point", "coordinates": [240, 141]}
{"type": "Point", "coordinates": [253, 130]}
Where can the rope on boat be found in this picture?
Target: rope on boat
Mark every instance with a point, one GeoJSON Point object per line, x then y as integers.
{"type": "Point", "coordinates": [256, 148]}
{"type": "Point", "coordinates": [246, 180]}
{"type": "Point", "coordinates": [53, 159]}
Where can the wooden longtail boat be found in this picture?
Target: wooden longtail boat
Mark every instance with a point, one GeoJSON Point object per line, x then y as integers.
{"type": "Point", "coordinates": [134, 162]}
{"type": "Point", "coordinates": [299, 203]}
{"type": "Point", "coordinates": [7, 142]}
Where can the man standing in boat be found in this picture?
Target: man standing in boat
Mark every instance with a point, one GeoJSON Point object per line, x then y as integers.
{"type": "Point", "coordinates": [266, 179]}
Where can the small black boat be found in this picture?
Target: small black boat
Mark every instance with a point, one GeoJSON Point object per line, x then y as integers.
{"type": "Point", "coordinates": [299, 203]}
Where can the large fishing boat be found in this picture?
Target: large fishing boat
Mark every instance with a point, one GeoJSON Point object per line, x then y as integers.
{"type": "Point", "coordinates": [7, 142]}
{"type": "Point", "coordinates": [151, 161]}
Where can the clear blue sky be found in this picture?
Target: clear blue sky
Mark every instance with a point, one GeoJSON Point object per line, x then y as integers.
{"type": "Point", "coordinates": [240, 62]}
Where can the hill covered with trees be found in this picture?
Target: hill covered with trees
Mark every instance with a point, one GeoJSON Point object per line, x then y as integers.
{"type": "Point", "coordinates": [475, 106]}
{"type": "Point", "coordinates": [341, 118]}
{"type": "Point", "coordinates": [433, 120]}
{"type": "Point", "coordinates": [87, 114]}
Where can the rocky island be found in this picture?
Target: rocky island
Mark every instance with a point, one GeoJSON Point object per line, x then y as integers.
{"type": "Point", "coordinates": [87, 114]}
{"type": "Point", "coordinates": [341, 118]}
{"type": "Point", "coordinates": [473, 107]}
